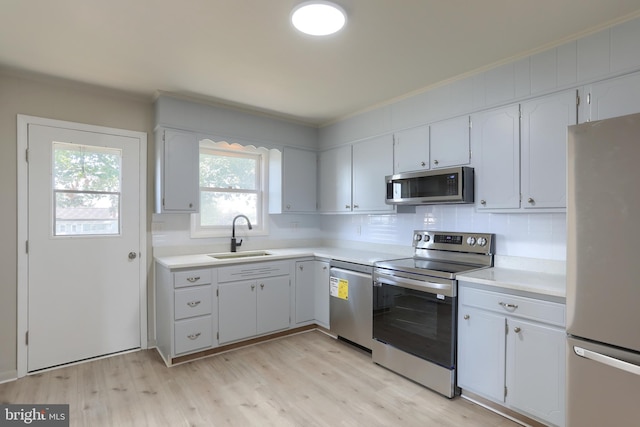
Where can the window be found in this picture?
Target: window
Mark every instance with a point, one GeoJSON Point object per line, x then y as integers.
{"type": "Point", "coordinates": [232, 182]}
{"type": "Point", "coordinates": [86, 190]}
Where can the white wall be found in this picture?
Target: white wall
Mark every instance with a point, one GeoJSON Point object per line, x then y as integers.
{"type": "Point", "coordinates": [520, 235]}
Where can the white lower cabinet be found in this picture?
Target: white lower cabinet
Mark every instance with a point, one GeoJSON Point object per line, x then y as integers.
{"type": "Point", "coordinates": [312, 292]}
{"type": "Point", "coordinates": [511, 350]}
{"type": "Point", "coordinates": [256, 304]}
{"type": "Point", "coordinates": [321, 286]}
{"type": "Point", "coordinates": [186, 311]}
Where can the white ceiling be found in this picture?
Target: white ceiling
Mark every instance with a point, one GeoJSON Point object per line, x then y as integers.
{"type": "Point", "coordinates": [245, 52]}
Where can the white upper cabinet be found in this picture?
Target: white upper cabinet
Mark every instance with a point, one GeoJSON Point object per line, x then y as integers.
{"type": "Point", "coordinates": [610, 98]}
{"type": "Point", "coordinates": [450, 143]}
{"type": "Point", "coordinates": [544, 149]}
{"type": "Point", "coordinates": [352, 177]}
{"type": "Point", "coordinates": [335, 180]}
{"type": "Point", "coordinates": [495, 134]}
{"type": "Point", "coordinates": [293, 181]}
{"type": "Point", "coordinates": [411, 150]}
{"type": "Point", "coordinates": [177, 177]}
{"type": "Point", "coordinates": [372, 162]}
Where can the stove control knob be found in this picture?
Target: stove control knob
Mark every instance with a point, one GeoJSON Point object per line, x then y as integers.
{"type": "Point", "coordinates": [427, 238]}
{"type": "Point", "coordinates": [482, 241]}
{"type": "Point", "coordinates": [471, 241]}
{"type": "Point", "coordinates": [417, 237]}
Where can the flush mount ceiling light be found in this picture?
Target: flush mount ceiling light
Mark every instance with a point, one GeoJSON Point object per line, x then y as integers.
{"type": "Point", "coordinates": [318, 18]}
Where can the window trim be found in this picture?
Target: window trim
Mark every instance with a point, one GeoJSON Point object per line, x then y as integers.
{"type": "Point", "coordinates": [199, 232]}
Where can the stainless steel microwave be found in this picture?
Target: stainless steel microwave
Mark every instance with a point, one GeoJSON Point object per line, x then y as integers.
{"type": "Point", "coordinates": [440, 186]}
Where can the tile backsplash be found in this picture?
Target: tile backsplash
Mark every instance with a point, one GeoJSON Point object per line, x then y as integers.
{"type": "Point", "coordinates": [535, 235]}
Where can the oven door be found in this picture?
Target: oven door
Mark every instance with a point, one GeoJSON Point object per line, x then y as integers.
{"type": "Point", "coordinates": [416, 316]}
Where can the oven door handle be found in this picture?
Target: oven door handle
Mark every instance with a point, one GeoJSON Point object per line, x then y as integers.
{"type": "Point", "coordinates": [416, 285]}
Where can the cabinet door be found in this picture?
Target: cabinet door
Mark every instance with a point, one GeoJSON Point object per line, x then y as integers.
{"type": "Point", "coordinates": [237, 310]}
{"type": "Point", "coordinates": [322, 293]}
{"type": "Point", "coordinates": [179, 172]}
{"type": "Point", "coordinates": [411, 150]}
{"type": "Point", "coordinates": [372, 162]}
{"type": "Point", "coordinates": [481, 352]}
{"type": "Point", "coordinates": [536, 370]}
{"type": "Point", "coordinates": [450, 143]}
{"type": "Point", "coordinates": [299, 180]}
{"type": "Point", "coordinates": [611, 98]}
{"type": "Point", "coordinates": [496, 135]}
{"type": "Point", "coordinates": [305, 291]}
{"type": "Point", "coordinates": [273, 304]}
{"type": "Point", "coordinates": [544, 149]}
{"type": "Point", "coordinates": [335, 180]}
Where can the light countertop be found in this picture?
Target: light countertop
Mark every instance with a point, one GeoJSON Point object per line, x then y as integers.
{"type": "Point", "coordinates": [530, 281]}
{"type": "Point", "coordinates": [343, 254]}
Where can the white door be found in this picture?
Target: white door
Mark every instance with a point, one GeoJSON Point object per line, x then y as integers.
{"type": "Point", "coordinates": [83, 245]}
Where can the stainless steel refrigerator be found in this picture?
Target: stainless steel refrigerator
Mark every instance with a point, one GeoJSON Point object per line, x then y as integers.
{"type": "Point", "coordinates": [603, 273]}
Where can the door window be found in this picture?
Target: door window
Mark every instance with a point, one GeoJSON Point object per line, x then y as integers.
{"type": "Point", "coordinates": [86, 190]}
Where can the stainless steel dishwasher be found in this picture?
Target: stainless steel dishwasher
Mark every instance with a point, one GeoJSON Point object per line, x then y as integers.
{"type": "Point", "coordinates": [351, 302]}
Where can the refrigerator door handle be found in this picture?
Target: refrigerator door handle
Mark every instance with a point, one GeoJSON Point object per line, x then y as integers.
{"type": "Point", "coordinates": [607, 360]}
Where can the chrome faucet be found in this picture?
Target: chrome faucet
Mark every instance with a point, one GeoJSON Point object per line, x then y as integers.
{"type": "Point", "coordinates": [235, 244]}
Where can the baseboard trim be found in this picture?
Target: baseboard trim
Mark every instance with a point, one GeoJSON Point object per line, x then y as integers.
{"type": "Point", "coordinates": [8, 376]}
{"type": "Point", "coordinates": [502, 410]}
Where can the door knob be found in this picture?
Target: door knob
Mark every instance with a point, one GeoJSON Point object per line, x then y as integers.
{"type": "Point", "coordinates": [132, 255]}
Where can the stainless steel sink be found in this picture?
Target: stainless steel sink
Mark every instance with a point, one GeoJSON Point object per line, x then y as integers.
{"type": "Point", "coordinates": [233, 255]}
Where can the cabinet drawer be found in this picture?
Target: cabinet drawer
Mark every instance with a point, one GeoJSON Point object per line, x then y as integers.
{"type": "Point", "coordinates": [191, 302]}
{"type": "Point", "coordinates": [530, 308]}
{"type": "Point", "coordinates": [193, 334]}
{"type": "Point", "coordinates": [252, 271]}
{"type": "Point", "coordinates": [191, 278]}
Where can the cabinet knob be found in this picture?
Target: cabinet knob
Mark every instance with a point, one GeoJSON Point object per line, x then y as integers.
{"type": "Point", "coordinates": [517, 330]}
{"type": "Point", "coordinates": [324, 268]}
{"type": "Point", "coordinates": [347, 206]}
{"type": "Point", "coordinates": [483, 202]}
{"type": "Point", "coordinates": [530, 200]}
{"type": "Point", "coordinates": [288, 207]}
{"type": "Point", "coordinates": [301, 267]}
{"type": "Point", "coordinates": [466, 317]}
{"type": "Point", "coordinates": [253, 287]}
{"type": "Point", "coordinates": [190, 205]}
{"type": "Point", "coordinates": [423, 164]}
{"type": "Point", "coordinates": [261, 285]}
{"type": "Point", "coordinates": [355, 206]}
{"type": "Point", "coordinates": [435, 162]}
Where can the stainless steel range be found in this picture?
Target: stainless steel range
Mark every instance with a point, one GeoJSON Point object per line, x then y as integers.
{"type": "Point", "coordinates": [415, 305]}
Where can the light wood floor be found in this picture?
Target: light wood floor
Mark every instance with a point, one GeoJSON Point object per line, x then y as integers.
{"type": "Point", "coordinates": [308, 379]}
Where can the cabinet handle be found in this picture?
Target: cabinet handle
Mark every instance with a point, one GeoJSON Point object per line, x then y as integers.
{"type": "Point", "coordinates": [347, 206]}
{"type": "Point", "coordinates": [508, 306]}
{"type": "Point", "coordinates": [193, 336]}
{"type": "Point", "coordinates": [435, 162]}
{"type": "Point", "coordinates": [261, 285]}
{"type": "Point", "coordinates": [253, 287]}
{"type": "Point", "coordinates": [466, 317]}
{"type": "Point", "coordinates": [193, 303]}
{"type": "Point", "coordinates": [193, 279]}
{"type": "Point", "coordinates": [517, 330]}
{"type": "Point", "coordinates": [324, 268]}
{"type": "Point", "coordinates": [355, 206]}
{"type": "Point", "coordinates": [530, 200]}
{"type": "Point", "coordinates": [483, 202]}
